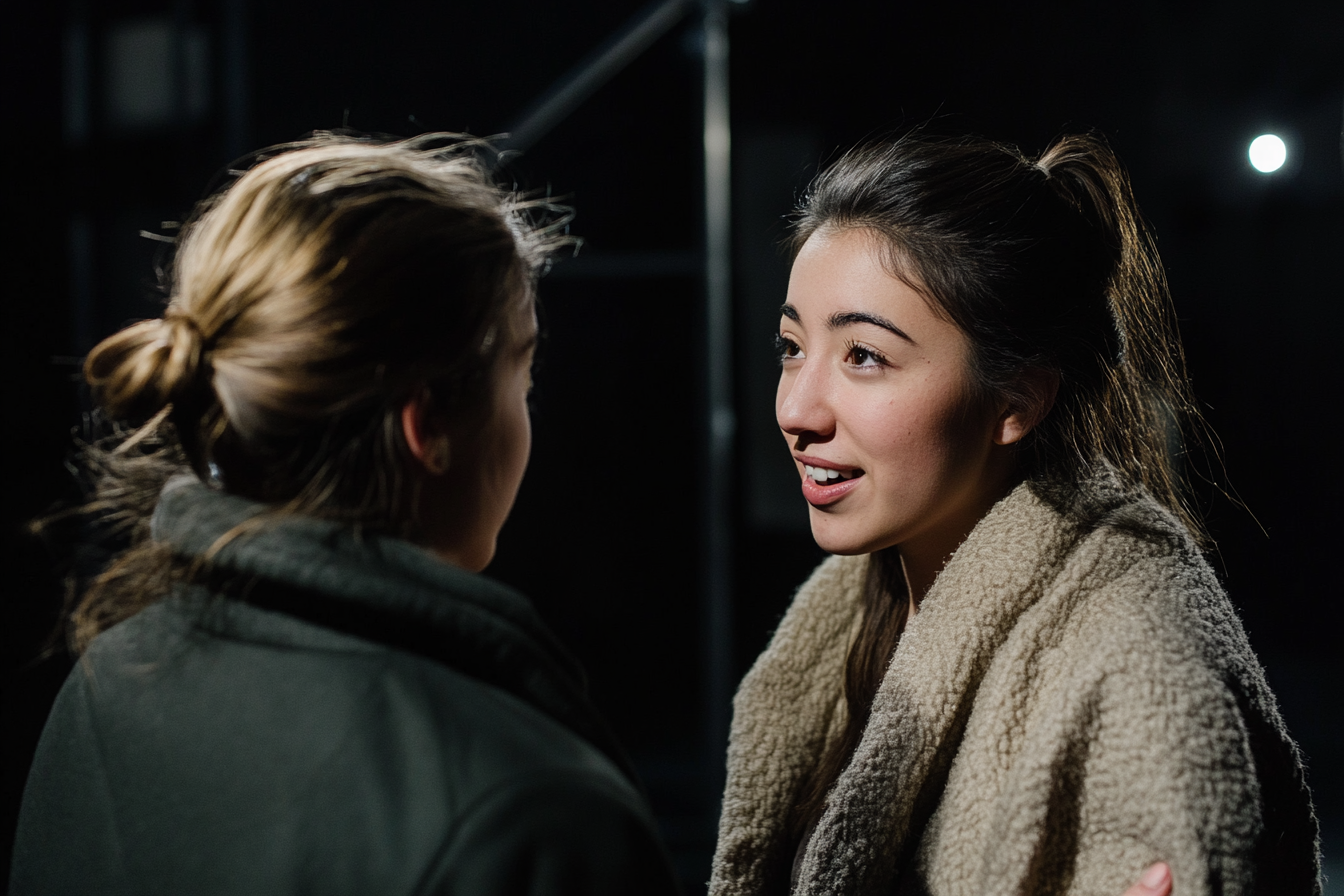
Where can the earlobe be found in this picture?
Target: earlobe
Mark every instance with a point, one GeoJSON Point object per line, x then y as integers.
{"type": "Point", "coordinates": [429, 443]}
{"type": "Point", "coordinates": [440, 455]}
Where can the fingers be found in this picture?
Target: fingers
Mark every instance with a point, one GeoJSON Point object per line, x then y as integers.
{"type": "Point", "coordinates": [1156, 881]}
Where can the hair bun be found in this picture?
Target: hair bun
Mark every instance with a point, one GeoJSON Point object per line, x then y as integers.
{"type": "Point", "coordinates": [145, 367]}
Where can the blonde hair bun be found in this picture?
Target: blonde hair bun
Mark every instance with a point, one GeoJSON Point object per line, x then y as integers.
{"type": "Point", "coordinates": [139, 371]}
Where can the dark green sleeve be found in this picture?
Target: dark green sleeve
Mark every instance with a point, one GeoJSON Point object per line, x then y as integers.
{"type": "Point", "coordinates": [552, 833]}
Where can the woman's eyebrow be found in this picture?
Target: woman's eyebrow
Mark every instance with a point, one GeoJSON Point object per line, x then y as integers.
{"type": "Point", "coordinates": [849, 318]}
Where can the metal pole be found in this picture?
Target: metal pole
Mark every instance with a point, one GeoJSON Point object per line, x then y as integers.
{"type": "Point", "coordinates": [717, 528]}
{"type": "Point", "coordinates": [569, 92]}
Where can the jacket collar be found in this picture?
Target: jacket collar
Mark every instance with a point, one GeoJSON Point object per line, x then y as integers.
{"type": "Point", "coordinates": [787, 707]}
{"type": "Point", "coordinates": [382, 589]}
{"type": "Point", "coordinates": [922, 706]}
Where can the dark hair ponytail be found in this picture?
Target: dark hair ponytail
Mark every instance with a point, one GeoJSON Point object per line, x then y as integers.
{"type": "Point", "coordinates": [1148, 411]}
{"type": "Point", "coordinates": [1046, 267]}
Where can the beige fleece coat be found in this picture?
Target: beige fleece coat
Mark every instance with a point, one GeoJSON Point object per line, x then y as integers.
{"type": "Point", "coordinates": [1075, 699]}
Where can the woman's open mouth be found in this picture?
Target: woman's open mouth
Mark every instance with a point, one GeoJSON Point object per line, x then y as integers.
{"type": "Point", "coordinates": [823, 485]}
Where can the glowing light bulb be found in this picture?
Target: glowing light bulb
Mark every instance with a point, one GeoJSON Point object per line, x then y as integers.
{"type": "Point", "coordinates": [1267, 153]}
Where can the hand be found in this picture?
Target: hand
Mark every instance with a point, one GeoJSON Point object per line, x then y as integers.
{"type": "Point", "coordinates": [1156, 881]}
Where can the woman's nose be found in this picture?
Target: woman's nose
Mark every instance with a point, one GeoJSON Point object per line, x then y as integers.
{"type": "Point", "coordinates": [801, 404]}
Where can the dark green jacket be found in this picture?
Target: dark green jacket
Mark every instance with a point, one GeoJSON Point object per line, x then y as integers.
{"type": "Point", "coordinates": [334, 715]}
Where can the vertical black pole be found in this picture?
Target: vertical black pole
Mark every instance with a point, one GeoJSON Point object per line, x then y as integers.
{"type": "Point", "coordinates": [717, 547]}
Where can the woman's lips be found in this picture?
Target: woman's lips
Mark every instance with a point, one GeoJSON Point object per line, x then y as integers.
{"type": "Point", "coordinates": [819, 494]}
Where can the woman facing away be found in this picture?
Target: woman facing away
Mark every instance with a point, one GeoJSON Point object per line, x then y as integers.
{"type": "Point", "coordinates": [1017, 674]}
{"type": "Point", "coordinates": [295, 680]}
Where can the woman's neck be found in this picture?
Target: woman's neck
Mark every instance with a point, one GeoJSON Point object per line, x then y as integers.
{"type": "Point", "coordinates": [923, 557]}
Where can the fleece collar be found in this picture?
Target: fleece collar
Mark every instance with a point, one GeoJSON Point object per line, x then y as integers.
{"type": "Point", "coordinates": [382, 589]}
{"type": "Point", "coordinates": [791, 702]}
{"type": "Point", "coordinates": [921, 708]}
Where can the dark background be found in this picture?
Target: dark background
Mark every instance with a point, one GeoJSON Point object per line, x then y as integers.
{"type": "Point", "coordinates": [114, 126]}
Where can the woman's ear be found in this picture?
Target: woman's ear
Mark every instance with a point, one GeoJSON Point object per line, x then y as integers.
{"type": "Point", "coordinates": [1035, 397]}
{"type": "Point", "coordinates": [426, 433]}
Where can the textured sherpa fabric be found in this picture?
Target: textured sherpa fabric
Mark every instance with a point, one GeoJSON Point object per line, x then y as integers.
{"type": "Point", "coordinates": [1074, 700]}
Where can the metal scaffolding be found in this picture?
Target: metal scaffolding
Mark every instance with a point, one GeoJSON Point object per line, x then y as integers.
{"type": "Point", "coordinates": [719, 418]}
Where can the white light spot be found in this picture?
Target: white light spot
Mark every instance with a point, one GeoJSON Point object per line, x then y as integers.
{"type": "Point", "coordinates": [1268, 153]}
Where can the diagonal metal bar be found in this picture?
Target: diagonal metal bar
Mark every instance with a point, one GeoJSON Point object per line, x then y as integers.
{"type": "Point", "coordinates": [570, 91]}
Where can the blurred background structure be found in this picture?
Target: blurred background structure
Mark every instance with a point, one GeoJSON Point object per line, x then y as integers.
{"type": "Point", "coordinates": [660, 529]}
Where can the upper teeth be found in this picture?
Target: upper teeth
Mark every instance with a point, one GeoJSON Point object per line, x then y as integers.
{"type": "Point", "coordinates": [820, 474]}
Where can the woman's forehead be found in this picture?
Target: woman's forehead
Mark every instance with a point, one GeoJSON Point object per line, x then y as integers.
{"type": "Point", "coordinates": [848, 271]}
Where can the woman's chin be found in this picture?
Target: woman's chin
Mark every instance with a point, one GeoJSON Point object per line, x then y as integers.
{"type": "Point", "coordinates": [843, 540]}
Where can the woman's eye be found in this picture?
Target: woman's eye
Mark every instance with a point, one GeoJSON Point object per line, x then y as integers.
{"type": "Point", "coordinates": [787, 349]}
{"type": "Point", "coordinates": [862, 356]}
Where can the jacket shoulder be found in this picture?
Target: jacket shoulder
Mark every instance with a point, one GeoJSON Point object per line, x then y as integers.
{"type": "Point", "coordinates": [1159, 679]}
{"type": "Point", "coordinates": [304, 753]}
{"type": "Point", "coordinates": [1122, 588]}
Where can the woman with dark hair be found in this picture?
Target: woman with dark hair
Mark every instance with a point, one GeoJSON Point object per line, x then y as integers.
{"type": "Point", "coordinates": [295, 679]}
{"type": "Point", "coordinates": [1017, 674]}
